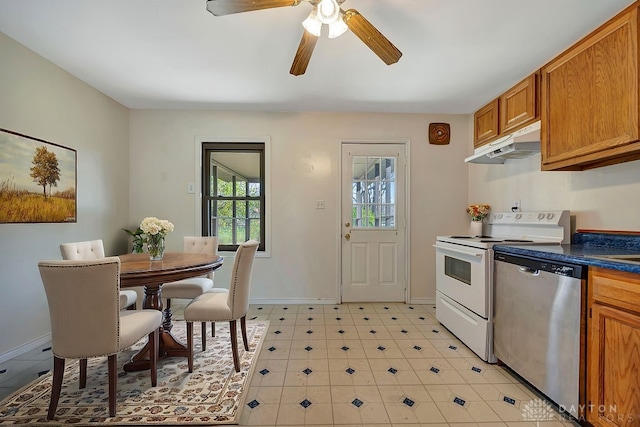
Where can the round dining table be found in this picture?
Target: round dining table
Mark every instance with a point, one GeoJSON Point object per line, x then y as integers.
{"type": "Point", "coordinates": [138, 270]}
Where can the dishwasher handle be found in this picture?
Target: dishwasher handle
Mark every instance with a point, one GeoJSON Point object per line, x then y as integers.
{"type": "Point", "coordinates": [529, 271]}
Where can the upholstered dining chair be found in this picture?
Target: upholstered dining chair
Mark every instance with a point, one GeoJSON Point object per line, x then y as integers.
{"type": "Point", "coordinates": [227, 306]}
{"type": "Point", "coordinates": [95, 326]}
{"type": "Point", "coordinates": [93, 249]}
{"type": "Point", "coordinates": [194, 286]}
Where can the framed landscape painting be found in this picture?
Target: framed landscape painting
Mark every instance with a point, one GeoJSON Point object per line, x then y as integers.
{"type": "Point", "coordinates": [37, 180]}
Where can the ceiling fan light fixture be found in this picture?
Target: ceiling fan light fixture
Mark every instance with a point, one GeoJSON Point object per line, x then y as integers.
{"type": "Point", "coordinates": [328, 11]}
{"type": "Point", "coordinates": [337, 28]}
{"type": "Point", "coordinates": [312, 24]}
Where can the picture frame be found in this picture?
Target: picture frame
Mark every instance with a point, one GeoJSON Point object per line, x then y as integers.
{"type": "Point", "coordinates": [38, 180]}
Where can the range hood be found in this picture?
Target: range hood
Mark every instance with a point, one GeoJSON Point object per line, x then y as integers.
{"type": "Point", "coordinates": [521, 143]}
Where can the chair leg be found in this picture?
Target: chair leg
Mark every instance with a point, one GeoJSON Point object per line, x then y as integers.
{"type": "Point", "coordinates": [243, 326]}
{"type": "Point", "coordinates": [83, 373]}
{"type": "Point", "coordinates": [190, 345]}
{"type": "Point", "coordinates": [213, 329]}
{"type": "Point", "coordinates": [153, 355]}
{"type": "Point", "coordinates": [56, 388]}
{"type": "Point", "coordinates": [203, 333]}
{"type": "Point", "coordinates": [234, 344]}
{"type": "Point", "coordinates": [113, 380]}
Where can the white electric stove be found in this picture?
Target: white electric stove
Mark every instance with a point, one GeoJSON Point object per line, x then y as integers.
{"type": "Point", "coordinates": [464, 271]}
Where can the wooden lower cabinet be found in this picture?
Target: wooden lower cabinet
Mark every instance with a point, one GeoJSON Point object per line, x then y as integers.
{"type": "Point", "coordinates": [613, 349]}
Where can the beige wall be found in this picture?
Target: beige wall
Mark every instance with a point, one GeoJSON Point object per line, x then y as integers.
{"type": "Point", "coordinates": [41, 100]}
{"type": "Point", "coordinates": [305, 149]}
{"type": "Point", "coordinates": [604, 198]}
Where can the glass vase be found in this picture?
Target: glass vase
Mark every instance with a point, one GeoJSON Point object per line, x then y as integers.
{"type": "Point", "coordinates": [155, 247]}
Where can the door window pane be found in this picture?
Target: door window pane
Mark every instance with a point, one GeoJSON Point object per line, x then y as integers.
{"type": "Point", "coordinates": [373, 192]}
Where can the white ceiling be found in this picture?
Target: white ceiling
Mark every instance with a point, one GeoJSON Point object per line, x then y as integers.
{"type": "Point", "coordinates": [173, 54]}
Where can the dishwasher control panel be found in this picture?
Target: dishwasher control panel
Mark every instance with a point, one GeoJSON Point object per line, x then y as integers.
{"type": "Point", "coordinates": [537, 264]}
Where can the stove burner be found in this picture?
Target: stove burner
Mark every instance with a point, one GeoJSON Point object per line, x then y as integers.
{"type": "Point", "coordinates": [490, 241]}
{"type": "Point", "coordinates": [518, 240]}
{"type": "Point", "coordinates": [470, 237]}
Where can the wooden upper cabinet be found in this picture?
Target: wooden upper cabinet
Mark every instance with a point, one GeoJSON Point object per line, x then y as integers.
{"type": "Point", "coordinates": [486, 123]}
{"type": "Point", "coordinates": [519, 105]}
{"type": "Point", "coordinates": [589, 98]}
{"type": "Point", "coordinates": [514, 109]}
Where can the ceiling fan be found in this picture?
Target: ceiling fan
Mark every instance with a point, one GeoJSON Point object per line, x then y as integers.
{"type": "Point", "coordinates": [324, 12]}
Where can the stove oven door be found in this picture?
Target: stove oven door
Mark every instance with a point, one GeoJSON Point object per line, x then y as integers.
{"type": "Point", "coordinates": [464, 274]}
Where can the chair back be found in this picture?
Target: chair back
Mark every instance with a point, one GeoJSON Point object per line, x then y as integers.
{"type": "Point", "coordinates": [90, 249]}
{"type": "Point", "coordinates": [240, 285]}
{"type": "Point", "coordinates": [207, 245]}
{"type": "Point", "coordinates": [201, 245]}
{"type": "Point", "coordinates": [83, 298]}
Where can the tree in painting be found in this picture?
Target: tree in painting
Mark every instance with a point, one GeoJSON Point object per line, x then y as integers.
{"type": "Point", "coordinates": [45, 170]}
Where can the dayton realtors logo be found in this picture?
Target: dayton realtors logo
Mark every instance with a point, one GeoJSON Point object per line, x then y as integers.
{"type": "Point", "coordinates": [538, 410]}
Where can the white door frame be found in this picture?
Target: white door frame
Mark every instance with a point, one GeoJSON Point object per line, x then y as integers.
{"type": "Point", "coordinates": [406, 144]}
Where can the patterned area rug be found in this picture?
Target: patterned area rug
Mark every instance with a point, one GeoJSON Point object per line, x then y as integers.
{"type": "Point", "coordinates": [213, 394]}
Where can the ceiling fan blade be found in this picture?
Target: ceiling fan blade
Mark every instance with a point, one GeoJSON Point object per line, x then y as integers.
{"type": "Point", "coordinates": [373, 38]}
{"type": "Point", "coordinates": [303, 55]}
{"type": "Point", "coordinates": [228, 7]}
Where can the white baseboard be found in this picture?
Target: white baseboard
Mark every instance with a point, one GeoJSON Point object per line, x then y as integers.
{"type": "Point", "coordinates": [266, 301]}
{"type": "Point", "coordinates": [257, 301]}
{"type": "Point", "coordinates": [423, 301]}
{"type": "Point", "coordinates": [24, 348]}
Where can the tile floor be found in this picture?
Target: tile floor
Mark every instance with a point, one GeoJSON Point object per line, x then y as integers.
{"type": "Point", "coordinates": [376, 365]}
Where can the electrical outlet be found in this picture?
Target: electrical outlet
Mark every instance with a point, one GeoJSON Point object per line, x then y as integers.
{"type": "Point", "coordinates": [515, 206]}
{"type": "Point", "coordinates": [319, 204]}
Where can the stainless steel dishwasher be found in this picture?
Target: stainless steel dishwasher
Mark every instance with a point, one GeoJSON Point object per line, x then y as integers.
{"type": "Point", "coordinates": [539, 325]}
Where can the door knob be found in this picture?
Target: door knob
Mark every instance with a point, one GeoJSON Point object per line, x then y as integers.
{"type": "Point", "coordinates": [347, 236]}
{"type": "Point", "coordinates": [347, 224]}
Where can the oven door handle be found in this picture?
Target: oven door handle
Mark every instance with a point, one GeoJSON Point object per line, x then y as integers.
{"type": "Point", "coordinates": [458, 251]}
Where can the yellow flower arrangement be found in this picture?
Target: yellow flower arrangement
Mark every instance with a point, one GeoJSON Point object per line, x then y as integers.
{"type": "Point", "coordinates": [478, 212]}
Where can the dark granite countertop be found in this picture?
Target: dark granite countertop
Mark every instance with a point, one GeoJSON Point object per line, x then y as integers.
{"type": "Point", "coordinates": [586, 247]}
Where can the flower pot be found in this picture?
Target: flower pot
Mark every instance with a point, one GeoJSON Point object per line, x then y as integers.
{"type": "Point", "coordinates": [475, 228]}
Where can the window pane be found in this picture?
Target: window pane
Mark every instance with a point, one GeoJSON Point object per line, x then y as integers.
{"type": "Point", "coordinates": [224, 231]}
{"type": "Point", "coordinates": [241, 188]}
{"type": "Point", "coordinates": [254, 209]}
{"type": "Point", "coordinates": [373, 191]}
{"type": "Point", "coordinates": [233, 209]}
{"type": "Point", "coordinates": [241, 230]}
{"type": "Point", "coordinates": [241, 209]}
{"type": "Point", "coordinates": [225, 188]}
{"type": "Point", "coordinates": [254, 232]}
{"type": "Point", "coordinates": [224, 209]}
{"type": "Point", "coordinates": [254, 189]}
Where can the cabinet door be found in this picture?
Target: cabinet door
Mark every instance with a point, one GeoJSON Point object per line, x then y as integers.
{"type": "Point", "coordinates": [589, 99]}
{"type": "Point", "coordinates": [485, 124]}
{"type": "Point", "coordinates": [518, 106]}
{"type": "Point", "coordinates": [613, 391]}
{"type": "Point", "coordinates": [613, 348]}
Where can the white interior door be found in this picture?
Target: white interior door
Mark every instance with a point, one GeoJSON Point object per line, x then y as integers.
{"type": "Point", "coordinates": [373, 222]}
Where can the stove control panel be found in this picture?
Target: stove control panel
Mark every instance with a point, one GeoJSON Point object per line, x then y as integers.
{"type": "Point", "coordinates": [542, 217]}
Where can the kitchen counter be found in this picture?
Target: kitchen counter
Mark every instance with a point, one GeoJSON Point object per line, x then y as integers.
{"type": "Point", "coordinates": [587, 246]}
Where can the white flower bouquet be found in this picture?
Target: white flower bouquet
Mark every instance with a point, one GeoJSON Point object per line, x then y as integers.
{"type": "Point", "coordinates": [155, 230]}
